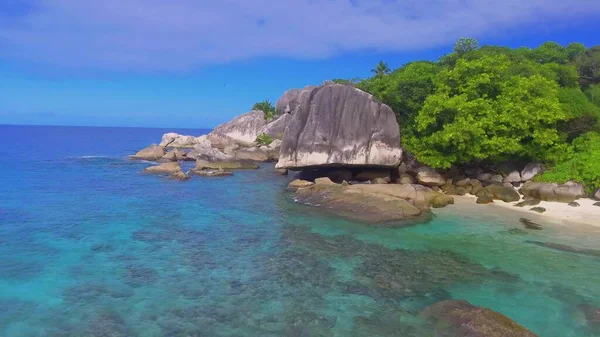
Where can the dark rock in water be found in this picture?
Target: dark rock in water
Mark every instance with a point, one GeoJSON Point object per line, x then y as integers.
{"type": "Point", "coordinates": [462, 319]}
{"type": "Point", "coordinates": [530, 224]}
{"type": "Point", "coordinates": [506, 194]}
{"type": "Point", "coordinates": [485, 199]}
{"type": "Point", "coordinates": [574, 204]}
{"type": "Point", "coordinates": [179, 175]}
{"type": "Point", "coordinates": [102, 248]}
{"type": "Point", "coordinates": [516, 231]}
{"type": "Point", "coordinates": [538, 209]}
{"type": "Point", "coordinates": [137, 276]}
{"type": "Point", "coordinates": [592, 316]}
{"type": "Point", "coordinates": [566, 248]}
{"type": "Point", "coordinates": [529, 202]}
{"type": "Point", "coordinates": [337, 124]}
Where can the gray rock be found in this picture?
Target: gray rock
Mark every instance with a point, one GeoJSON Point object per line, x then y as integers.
{"type": "Point", "coordinates": [506, 194]}
{"type": "Point", "coordinates": [430, 177]}
{"type": "Point", "coordinates": [597, 194]}
{"type": "Point", "coordinates": [574, 204]}
{"type": "Point", "coordinates": [174, 155]}
{"type": "Point", "coordinates": [529, 202]}
{"type": "Point", "coordinates": [371, 174]}
{"type": "Point", "coordinates": [530, 224]}
{"type": "Point", "coordinates": [152, 152]}
{"type": "Point", "coordinates": [485, 199]}
{"type": "Point", "coordinates": [566, 193]}
{"type": "Point", "coordinates": [324, 181]}
{"type": "Point", "coordinates": [287, 103]}
{"type": "Point", "coordinates": [179, 141]}
{"type": "Point", "coordinates": [406, 179]}
{"type": "Point", "coordinates": [276, 128]}
{"type": "Point", "coordinates": [212, 173]}
{"type": "Point", "coordinates": [298, 183]}
{"type": "Point", "coordinates": [379, 181]}
{"type": "Point", "coordinates": [530, 171]}
{"type": "Point", "coordinates": [597, 204]}
{"type": "Point", "coordinates": [241, 131]}
{"type": "Point", "coordinates": [484, 176]}
{"type": "Point", "coordinates": [340, 125]}
{"type": "Point", "coordinates": [496, 178]}
{"type": "Point", "coordinates": [513, 177]}
{"type": "Point", "coordinates": [538, 209]}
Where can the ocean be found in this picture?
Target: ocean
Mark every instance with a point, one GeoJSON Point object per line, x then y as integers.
{"type": "Point", "coordinates": [89, 246]}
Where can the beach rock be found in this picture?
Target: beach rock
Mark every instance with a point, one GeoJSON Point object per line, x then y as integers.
{"type": "Point", "coordinates": [241, 131]}
{"type": "Point", "coordinates": [597, 204]}
{"type": "Point", "coordinates": [371, 174]}
{"type": "Point", "coordinates": [324, 181]}
{"type": "Point", "coordinates": [379, 181]}
{"type": "Point", "coordinates": [421, 196]}
{"type": "Point", "coordinates": [596, 194]}
{"type": "Point", "coordinates": [296, 184]}
{"type": "Point", "coordinates": [484, 177]}
{"type": "Point", "coordinates": [496, 178]}
{"type": "Point", "coordinates": [574, 204]}
{"type": "Point", "coordinates": [170, 167]}
{"type": "Point", "coordinates": [538, 209]}
{"type": "Point", "coordinates": [462, 319]}
{"type": "Point", "coordinates": [359, 205]}
{"type": "Point", "coordinates": [506, 194]}
{"type": "Point", "coordinates": [430, 177]}
{"type": "Point", "coordinates": [530, 224]}
{"type": "Point", "coordinates": [212, 173]}
{"type": "Point", "coordinates": [179, 141]}
{"type": "Point", "coordinates": [529, 202]}
{"type": "Point", "coordinates": [464, 182]}
{"type": "Point", "coordinates": [566, 193]}
{"type": "Point", "coordinates": [530, 171]}
{"type": "Point", "coordinates": [406, 179]}
{"type": "Point", "coordinates": [513, 177]}
{"type": "Point", "coordinates": [485, 199]}
{"type": "Point", "coordinates": [152, 152]}
{"type": "Point", "coordinates": [338, 124]}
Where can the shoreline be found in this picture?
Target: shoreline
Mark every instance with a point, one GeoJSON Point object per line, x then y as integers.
{"type": "Point", "coordinates": [556, 212]}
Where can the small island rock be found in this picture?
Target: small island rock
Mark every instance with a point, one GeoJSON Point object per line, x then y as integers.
{"type": "Point", "coordinates": [152, 152]}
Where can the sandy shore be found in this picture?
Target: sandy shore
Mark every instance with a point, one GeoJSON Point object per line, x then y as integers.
{"type": "Point", "coordinates": [556, 212]}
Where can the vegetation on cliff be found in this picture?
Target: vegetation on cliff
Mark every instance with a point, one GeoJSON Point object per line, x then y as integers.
{"type": "Point", "coordinates": [492, 104]}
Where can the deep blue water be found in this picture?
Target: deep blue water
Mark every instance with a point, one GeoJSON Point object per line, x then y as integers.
{"type": "Point", "coordinates": [89, 246]}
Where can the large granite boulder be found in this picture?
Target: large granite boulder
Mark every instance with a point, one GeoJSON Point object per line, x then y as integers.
{"type": "Point", "coordinates": [513, 177]}
{"type": "Point", "coordinates": [213, 159]}
{"type": "Point", "coordinates": [462, 319]}
{"type": "Point", "coordinates": [152, 152]}
{"type": "Point", "coordinates": [430, 177]}
{"type": "Point", "coordinates": [566, 193]}
{"type": "Point", "coordinates": [340, 125]}
{"type": "Point", "coordinates": [420, 196]}
{"type": "Point", "coordinates": [276, 128]}
{"type": "Point", "coordinates": [287, 103]}
{"type": "Point", "coordinates": [530, 171]}
{"type": "Point", "coordinates": [259, 153]}
{"type": "Point", "coordinates": [176, 140]}
{"type": "Point", "coordinates": [241, 131]}
{"type": "Point", "coordinates": [174, 155]}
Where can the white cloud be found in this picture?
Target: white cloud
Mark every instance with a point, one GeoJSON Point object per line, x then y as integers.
{"type": "Point", "coordinates": [183, 34]}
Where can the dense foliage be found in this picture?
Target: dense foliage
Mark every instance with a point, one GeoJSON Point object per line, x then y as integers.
{"type": "Point", "coordinates": [267, 107]}
{"type": "Point", "coordinates": [581, 163]}
{"type": "Point", "coordinates": [491, 104]}
{"type": "Point", "coordinates": [263, 139]}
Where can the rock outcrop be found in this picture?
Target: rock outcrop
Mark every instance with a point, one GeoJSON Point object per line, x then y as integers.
{"type": "Point", "coordinates": [430, 177]}
{"type": "Point", "coordinates": [339, 125]}
{"type": "Point", "coordinates": [530, 171]}
{"type": "Point", "coordinates": [174, 155]}
{"type": "Point", "coordinates": [213, 159]}
{"type": "Point", "coordinates": [506, 194]}
{"type": "Point", "coordinates": [176, 140]}
{"type": "Point", "coordinates": [276, 128]}
{"type": "Point", "coordinates": [462, 319]}
{"type": "Point", "coordinates": [566, 193]}
{"type": "Point", "coordinates": [298, 183]}
{"type": "Point", "coordinates": [241, 131]}
{"type": "Point", "coordinates": [152, 152]}
{"type": "Point", "coordinates": [259, 153]}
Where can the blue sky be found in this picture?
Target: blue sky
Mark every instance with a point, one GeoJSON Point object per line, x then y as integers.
{"type": "Point", "coordinates": [194, 63]}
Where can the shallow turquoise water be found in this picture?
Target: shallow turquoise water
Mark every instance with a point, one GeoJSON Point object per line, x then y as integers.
{"type": "Point", "coordinates": [91, 247]}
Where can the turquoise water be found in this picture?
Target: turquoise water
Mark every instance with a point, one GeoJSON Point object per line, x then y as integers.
{"type": "Point", "coordinates": [91, 247]}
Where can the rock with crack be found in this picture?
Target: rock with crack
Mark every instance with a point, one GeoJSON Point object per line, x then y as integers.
{"type": "Point", "coordinates": [176, 140]}
{"type": "Point", "coordinates": [339, 125]}
{"type": "Point", "coordinates": [240, 131]}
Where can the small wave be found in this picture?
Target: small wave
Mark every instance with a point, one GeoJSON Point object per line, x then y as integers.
{"type": "Point", "coordinates": [90, 157]}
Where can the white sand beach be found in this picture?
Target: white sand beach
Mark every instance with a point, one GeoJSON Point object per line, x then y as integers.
{"type": "Point", "coordinates": [556, 212]}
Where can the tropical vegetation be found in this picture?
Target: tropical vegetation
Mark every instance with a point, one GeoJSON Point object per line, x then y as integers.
{"type": "Point", "coordinates": [263, 139]}
{"type": "Point", "coordinates": [267, 107]}
{"type": "Point", "coordinates": [491, 104]}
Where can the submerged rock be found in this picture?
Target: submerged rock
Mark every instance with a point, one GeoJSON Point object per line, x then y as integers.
{"type": "Point", "coordinates": [298, 183]}
{"type": "Point", "coordinates": [241, 130]}
{"type": "Point", "coordinates": [152, 152]}
{"type": "Point", "coordinates": [462, 319]}
{"type": "Point", "coordinates": [566, 248]}
{"type": "Point", "coordinates": [530, 224]}
{"type": "Point", "coordinates": [337, 124]}
{"type": "Point", "coordinates": [179, 175]}
{"type": "Point", "coordinates": [212, 173]}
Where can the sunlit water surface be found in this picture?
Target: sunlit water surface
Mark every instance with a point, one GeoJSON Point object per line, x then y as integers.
{"type": "Point", "coordinates": [91, 247]}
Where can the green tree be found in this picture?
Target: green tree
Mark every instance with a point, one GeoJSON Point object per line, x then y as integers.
{"type": "Point", "coordinates": [574, 50]}
{"type": "Point", "coordinates": [588, 65]}
{"type": "Point", "coordinates": [480, 112]}
{"type": "Point", "coordinates": [581, 114]}
{"type": "Point", "coordinates": [267, 107]}
{"type": "Point", "coordinates": [593, 94]}
{"type": "Point", "coordinates": [381, 69]}
{"type": "Point", "coordinates": [465, 45]}
{"type": "Point", "coordinates": [550, 52]}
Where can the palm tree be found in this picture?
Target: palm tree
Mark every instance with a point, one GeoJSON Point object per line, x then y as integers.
{"type": "Point", "coordinates": [381, 69]}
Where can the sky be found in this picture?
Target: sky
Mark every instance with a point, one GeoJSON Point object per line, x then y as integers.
{"type": "Point", "coordinates": [196, 63]}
